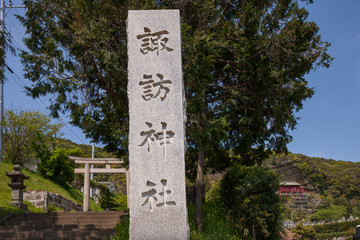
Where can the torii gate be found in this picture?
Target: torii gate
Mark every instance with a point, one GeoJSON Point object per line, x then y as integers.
{"type": "Point", "coordinates": [87, 170]}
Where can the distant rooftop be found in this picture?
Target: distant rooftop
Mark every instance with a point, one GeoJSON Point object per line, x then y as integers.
{"type": "Point", "coordinates": [290, 184]}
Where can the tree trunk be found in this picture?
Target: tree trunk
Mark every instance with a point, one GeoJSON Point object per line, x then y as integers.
{"type": "Point", "coordinates": [253, 232]}
{"type": "Point", "coordinates": [199, 187]}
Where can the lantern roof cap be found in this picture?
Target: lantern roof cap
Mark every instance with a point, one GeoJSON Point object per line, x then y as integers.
{"type": "Point", "coordinates": [17, 173]}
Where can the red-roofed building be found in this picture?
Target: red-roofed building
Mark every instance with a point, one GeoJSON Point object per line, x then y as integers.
{"type": "Point", "coordinates": [291, 188]}
{"type": "Point", "coordinates": [300, 194]}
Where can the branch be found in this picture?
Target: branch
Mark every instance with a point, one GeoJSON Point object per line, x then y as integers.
{"type": "Point", "coordinates": [222, 15]}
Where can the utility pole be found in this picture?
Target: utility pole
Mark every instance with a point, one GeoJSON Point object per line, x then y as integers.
{"type": "Point", "coordinates": [2, 30]}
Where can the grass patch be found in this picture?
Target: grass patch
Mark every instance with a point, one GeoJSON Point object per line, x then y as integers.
{"type": "Point", "coordinates": [216, 225]}
{"type": "Point", "coordinates": [122, 230]}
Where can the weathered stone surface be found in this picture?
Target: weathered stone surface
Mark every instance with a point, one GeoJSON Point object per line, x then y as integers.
{"type": "Point", "coordinates": [40, 198]}
{"type": "Point", "coordinates": [156, 139]}
{"type": "Point", "coordinates": [16, 195]}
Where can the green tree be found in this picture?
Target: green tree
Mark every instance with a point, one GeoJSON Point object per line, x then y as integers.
{"type": "Point", "coordinates": [244, 64]}
{"type": "Point", "coordinates": [56, 165]}
{"type": "Point", "coordinates": [21, 130]}
{"type": "Point", "coordinates": [75, 152]}
{"type": "Point", "coordinates": [250, 195]}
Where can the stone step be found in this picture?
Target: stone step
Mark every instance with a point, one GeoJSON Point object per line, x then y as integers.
{"type": "Point", "coordinates": [55, 234]}
{"type": "Point", "coordinates": [66, 227]}
{"type": "Point", "coordinates": [64, 221]}
{"type": "Point", "coordinates": [66, 214]}
{"type": "Point", "coordinates": [68, 218]}
{"type": "Point", "coordinates": [57, 238]}
{"type": "Point", "coordinates": [74, 225]}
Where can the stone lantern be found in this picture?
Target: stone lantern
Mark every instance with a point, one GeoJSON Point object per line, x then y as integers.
{"type": "Point", "coordinates": [17, 187]}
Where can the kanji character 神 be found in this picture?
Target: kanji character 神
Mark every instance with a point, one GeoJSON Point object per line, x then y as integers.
{"type": "Point", "coordinates": [163, 137]}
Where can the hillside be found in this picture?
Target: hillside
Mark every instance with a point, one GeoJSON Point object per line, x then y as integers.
{"type": "Point", "coordinates": [337, 182]}
{"type": "Point", "coordinates": [86, 149]}
{"type": "Point", "coordinates": [337, 178]}
{"type": "Point", "coordinates": [289, 172]}
{"type": "Point", "coordinates": [35, 182]}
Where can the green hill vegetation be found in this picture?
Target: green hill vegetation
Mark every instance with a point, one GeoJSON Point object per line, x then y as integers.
{"type": "Point", "coordinates": [337, 183]}
{"type": "Point", "coordinates": [36, 182]}
{"type": "Point", "coordinates": [86, 149]}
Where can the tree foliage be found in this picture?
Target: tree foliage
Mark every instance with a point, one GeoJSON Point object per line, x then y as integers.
{"type": "Point", "coordinates": [305, 232]}
{"type": "Point", "coordinates": [56, 165]}
{"type": "Point", "coordinates": [21, 130]}
{"type": "Point", "coordinates": [111, 201]}
{"type": "Point", "coordinates": [86, 149]}
{"type": "Point", "coordinates": [244, 65]}
{"type": "Point", "coordinates": [78, 55]}
{"type": "Point", "coordinates": [250, 195]}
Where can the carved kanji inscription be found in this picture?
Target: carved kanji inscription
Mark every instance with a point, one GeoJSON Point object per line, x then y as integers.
{"type": "Point", "coordinates": [153, 198]}
{"type": "Point", "coordinates": [153, 89]}
{"type": "Point", "coordinates": [156, 41]}
{"type": "Point", "coordinates": [161, 137]}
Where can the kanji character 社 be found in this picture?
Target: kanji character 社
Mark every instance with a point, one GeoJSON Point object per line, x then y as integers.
{"type": "Point", "coordinates": [150, 195]}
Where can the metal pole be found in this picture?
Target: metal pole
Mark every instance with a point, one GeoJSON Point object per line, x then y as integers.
{"type": "Point", "coordinates": [2, 28]}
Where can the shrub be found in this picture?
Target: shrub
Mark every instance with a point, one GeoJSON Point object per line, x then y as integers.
{"type": "Point", "coordinates": [249, 194]}
{"type": "Point", "coordinates": [111, 201]}
{"type": "Point", "coordinates": [305, 232]}
{"type": "Point", "coordinates": [57, 167]}
{"type": "Point", "coordinates": [335, 212]}
{"type": "Point", "coordinates": [119, 202]}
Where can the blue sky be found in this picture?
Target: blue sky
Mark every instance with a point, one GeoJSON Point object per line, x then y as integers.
{"type": "Point", "coordinates": [329, 126]}
{"type": "Point", "coordinates": [14, 92]}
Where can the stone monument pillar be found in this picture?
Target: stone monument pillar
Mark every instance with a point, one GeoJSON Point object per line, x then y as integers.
{"type": "Point", "coordinates": [17, 187]}
{"type": "Point", "coordinates": [157, 126]}
{"type": "Point", "coordinates": [357, 233]}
